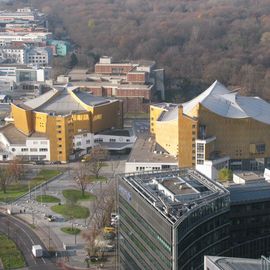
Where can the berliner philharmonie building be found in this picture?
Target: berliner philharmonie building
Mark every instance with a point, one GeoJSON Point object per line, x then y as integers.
{"type": "Point", "coordinates": [219, 128]}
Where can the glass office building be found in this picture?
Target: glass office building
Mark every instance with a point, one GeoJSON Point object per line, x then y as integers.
{"type": "Point", "coordinates": [170, 220]}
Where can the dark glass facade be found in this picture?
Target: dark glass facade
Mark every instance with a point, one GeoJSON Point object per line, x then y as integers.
{"type": "Point", "coordinates": [148, 241]}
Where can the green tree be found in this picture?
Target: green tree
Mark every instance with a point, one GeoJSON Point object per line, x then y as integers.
{"type": "Point", "coordinates": [225, 174]}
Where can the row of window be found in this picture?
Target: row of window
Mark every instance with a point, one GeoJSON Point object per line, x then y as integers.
{"type": "Point", "coordinates": [31, 149]}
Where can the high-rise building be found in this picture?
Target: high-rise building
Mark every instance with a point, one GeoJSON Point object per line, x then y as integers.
{"type": "Point", "coordinates": [169, 220]}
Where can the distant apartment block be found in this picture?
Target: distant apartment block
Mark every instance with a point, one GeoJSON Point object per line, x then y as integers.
{"type": "Point", "coordinates": [39, 56]}
{"type": "Point", "coordinates": [26, 14]}
{"type": "Point", "coordinates": [136, 83]}
{"type": "Point", "coordinates": [6, 38]}
{"type": "Point", "coordinates": [13, 54]}
{"type": "Point", "coordinates": [61, 47]}
{"type": "Point", "coordinates": [20, 75]}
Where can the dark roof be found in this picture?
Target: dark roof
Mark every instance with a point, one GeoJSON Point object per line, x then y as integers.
{"type": "Point", "coordinates": [116, 132]}
{"type": "Point", "coordinates": [253, 192]}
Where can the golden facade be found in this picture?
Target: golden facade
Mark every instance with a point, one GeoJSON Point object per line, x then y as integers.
{"type": "Point", "coordinates": [57, 116]}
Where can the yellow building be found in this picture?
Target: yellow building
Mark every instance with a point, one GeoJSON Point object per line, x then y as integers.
{"type": "Point", "coordinates": [219, 128]}
{"type": "Point", "coordinates": [64, 112]}
{"type": "Point", "coordinates": [164, 126]}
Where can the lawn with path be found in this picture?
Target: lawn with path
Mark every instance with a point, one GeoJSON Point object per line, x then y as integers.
{"type": "Point", "coordinates": [47, 199]}
{"type": "Point", "coordinates": [70, 230]}
{"type": "Point", "coordinates": [76, 195]}
{"type": "Point", "coordinates": [16, 190]}
{"type": "Point", "coordinates": [71, 211]}
{"type": "Point", "coordinates": [9, 253]}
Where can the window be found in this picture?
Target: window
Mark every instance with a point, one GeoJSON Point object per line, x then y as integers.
{"type": "Point", "coordinates": [43, 149]}
{"type": "Point", "coordinates": [24, 149]}
{"type": "Point", "coordinates": [127, 140]}
{"type": "Point", "coordinates": [60, 152]}
{"type": "Point", "coordinates": [260, 148]}
{"type": "Point", "coordinates": [59, 139]}
{"type": "Point", "coordinates": [85, 135]}
{"type": "Point", "coordinates": [88, 141]}
{"type": "Point", "coordinates": [79, 144]}
{"type": "Point", "coordinates": [35, 142]}
{"type": "Point", "coordinates": [112, 140]}
{"type": "Point", "coordinates": [33, 149]}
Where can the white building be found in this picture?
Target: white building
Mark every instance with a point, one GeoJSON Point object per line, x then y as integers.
{"type": "Point", "coordinates": [112, 140]}
{"type": "Point", "coordinates": [14, 54]}
{"type": "Point", "coordinates": [12, 75]}
{"type": "Point", "coordinates": [7, 38]}
{"type": "Point", "coordinates": [145, 156]}
{"type": "Point", "coordinates": [39, 56]}
{"type": "Point", "coordinates": [13, 143]}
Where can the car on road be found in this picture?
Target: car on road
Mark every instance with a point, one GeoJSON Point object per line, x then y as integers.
{"type": "Point", "coordinates": [108, 248]}
{"type": "Point", "coordinates": [50, 218]}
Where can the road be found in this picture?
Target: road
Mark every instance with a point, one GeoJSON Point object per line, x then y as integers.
{"type": "Point", "coordinates": [24, 237]}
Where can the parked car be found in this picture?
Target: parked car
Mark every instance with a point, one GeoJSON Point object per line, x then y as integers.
{"type": "Point", "coordinates": [109, 236]}
{"type": "Point", "coordinates": [108, 248]}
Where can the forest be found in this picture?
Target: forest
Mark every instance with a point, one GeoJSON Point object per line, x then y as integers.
{"type": "Point", "coordinates": [196, 41]}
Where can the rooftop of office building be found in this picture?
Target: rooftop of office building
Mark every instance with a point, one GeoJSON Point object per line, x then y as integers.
{"type": "Point", "coordinates": [175, 193]}
{"type": "Point", "coordinates": [252, 191]}
{"type": "Point", "coordinates": [147, 150]}
{"type": "Point", "coordinates": [228, 263]}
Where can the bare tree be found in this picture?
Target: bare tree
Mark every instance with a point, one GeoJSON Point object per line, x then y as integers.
{"type": "Point", "coordinates": [96, 160]}
{"type": "Point", "coordinates": [83, 177]}
{"type": "Point", "coordinates": [90, 236]}
{"type": "Point", "coordinates": [6, 177]}
{"type": "Point", "coordinates": [16, 169]}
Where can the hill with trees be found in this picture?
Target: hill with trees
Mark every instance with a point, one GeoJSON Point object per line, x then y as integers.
{"type": "Point", "coordinates": [196, 41]}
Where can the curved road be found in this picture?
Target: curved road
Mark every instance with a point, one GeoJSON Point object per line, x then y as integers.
{"type": "Point", "coordinates": [24, 237]}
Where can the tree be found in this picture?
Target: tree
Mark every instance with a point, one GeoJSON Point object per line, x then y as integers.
{"type": "Point", "coordinates": [83, 177]}
{"type": "Point", "coordinates": [6, 177]}
{"type": "Point", "coordinates": [225, 174]}
{"type": "Point", "coordinates": [100, 210]}
{"type": "Point", "coordinates": [96, 160]}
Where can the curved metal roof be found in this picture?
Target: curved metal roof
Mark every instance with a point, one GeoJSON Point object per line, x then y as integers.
{"type": "Point", "coordinates": [218, 99]}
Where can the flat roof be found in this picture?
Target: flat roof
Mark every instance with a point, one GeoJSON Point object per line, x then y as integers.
{"type": "Point", "coordinates": [14, 136]}
{"type": "Point", "coordinates": [251, 192]}
{"type": "Point", "coordinates": [144, 151]}
{"type": "Point", "coordinates": [227, 263]}
{"type": "Point", "coordinates": [177, 187]}
{"type": "Point", "coordinates": [250, 176]}
{"type": "Point", "coordinates": [164, 191]}
{"type": "Point", "coordinates": [116, 132]}
{"type": "Point", "coordinates": [111, 84]}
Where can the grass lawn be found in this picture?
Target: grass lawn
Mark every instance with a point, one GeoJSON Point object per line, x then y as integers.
{"type": "Point", "coordinates": [76, 195]}
{"type": "Point", "coordinates": [70, 230]}
{"type": "Point", "coordinates": [43, 176]}
{"type": "Point", "coordinates": [17, 189]}
{"type": "Point", "coordinates": [10, 254]}
{"type": "Point", "coordinates": [71, 211]}
{"type": "Point", "coordinates": [47, 199]}
{"type": "Point", "coordinates": [99, 179]}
